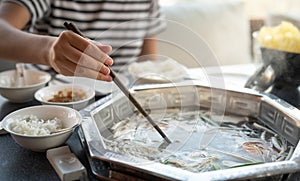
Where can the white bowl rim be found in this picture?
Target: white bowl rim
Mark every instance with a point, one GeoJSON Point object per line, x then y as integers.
{"type": "Point", "coordinates": [48, 78]}
{"type": "Point", "coordinates": [155, 77]}
{"type": "Point", "coordinates": [63, 86]}
{"type": "Point", "coordinates": [5, 126]}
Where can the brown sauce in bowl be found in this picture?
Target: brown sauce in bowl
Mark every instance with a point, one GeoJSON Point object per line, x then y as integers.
{"type": "Point", "coordinates": [68, 96]}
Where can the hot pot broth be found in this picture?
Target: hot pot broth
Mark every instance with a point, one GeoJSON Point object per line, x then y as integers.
{"type": "Point", "coordinates": [201, 141]}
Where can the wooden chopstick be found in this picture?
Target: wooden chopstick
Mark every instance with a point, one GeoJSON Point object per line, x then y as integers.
{"type": "Point", "coordinates": [117, 81]}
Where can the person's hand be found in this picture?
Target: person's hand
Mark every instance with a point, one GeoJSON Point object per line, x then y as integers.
{"type": "Point", "coordinates": [72, 55]}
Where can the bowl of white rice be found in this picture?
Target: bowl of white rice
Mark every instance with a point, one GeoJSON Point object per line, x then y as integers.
{"type": "Point", "coordinates": [39, 128]}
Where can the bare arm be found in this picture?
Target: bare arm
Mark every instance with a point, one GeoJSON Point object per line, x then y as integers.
{"type": "Point", "coordinates": [68, 54]}
{"type": "Point", "coordinates": [149, 49]}
{"type": "Point", "coordinates": [17, 45]}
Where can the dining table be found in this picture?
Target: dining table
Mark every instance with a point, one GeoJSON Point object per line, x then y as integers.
{"type": "Point", "coordinates": [17, 163]}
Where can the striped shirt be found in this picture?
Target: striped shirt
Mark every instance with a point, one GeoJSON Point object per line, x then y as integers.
{"type": "Point", "coordinates": [123, 24]}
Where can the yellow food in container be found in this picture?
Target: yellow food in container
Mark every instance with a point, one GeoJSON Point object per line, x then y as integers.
{"type": "Point", "coordinates": [285, 37]}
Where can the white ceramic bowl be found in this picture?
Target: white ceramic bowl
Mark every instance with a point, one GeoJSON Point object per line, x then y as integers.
{"type": "Point", "coordinates": [86, 94]}
{"type": "Point", "coordinates": [101, 87]}
{"type": "Point", "coordinates": [158, 71]}
{"type": "Point", "coordinates": [34, 80]}
{"type": "Point", "coordinates": [69, 117]}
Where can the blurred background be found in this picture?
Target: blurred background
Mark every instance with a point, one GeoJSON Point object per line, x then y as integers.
{"type": "Point", "coordinates": [227, 26]}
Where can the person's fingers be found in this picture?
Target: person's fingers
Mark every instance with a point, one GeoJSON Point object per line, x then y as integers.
{"type": "Point", "coordinates": [75, 40]}
{"type": "Point", "coordinates": [86, 46]}
{"type": "Point", "coordinates": [76, 56]}
{"type": "Point", "coordinates": [105, 48]}
{"type": "Point", "coordinates": [85, 60]}
{"type": "Point", "coordinates": [95, 52]}
{"type": "Point", "coordinates": [84, 72]}
{"type": "Point", "coordinates": [69, 68]}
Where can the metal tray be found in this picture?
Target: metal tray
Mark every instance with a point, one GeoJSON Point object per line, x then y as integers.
{"type": "Point", "coordinates": [278, 115]}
